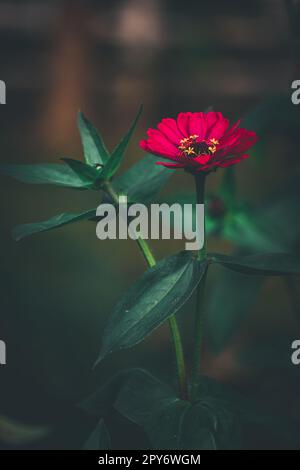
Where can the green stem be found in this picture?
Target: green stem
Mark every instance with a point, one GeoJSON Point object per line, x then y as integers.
{"type": "Point", "coordinates": [175, 333]}
{"type": "Point", "coordinates": [200, 189]}
{"type": "Point", "coordinates": [146, 252]}
{"type": "Point", "coordinates": [200, 193]}
{"type": "Point", "coordinates": [179, 355]}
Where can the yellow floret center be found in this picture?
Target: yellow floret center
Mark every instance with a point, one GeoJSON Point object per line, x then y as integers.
{"type": "Point", "coordinates": [191, 147]}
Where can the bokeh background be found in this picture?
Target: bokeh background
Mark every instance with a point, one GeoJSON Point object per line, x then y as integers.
{"type": "Point", "coordinates": [105, 57]}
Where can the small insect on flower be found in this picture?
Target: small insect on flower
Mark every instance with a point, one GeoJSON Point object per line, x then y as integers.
{"type": "Point", "coordinates": [199, 141]}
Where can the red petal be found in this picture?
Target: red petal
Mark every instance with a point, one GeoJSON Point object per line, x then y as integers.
{"type": "Point", "coordinates": [159, 141]}
{"type": "Point", "coordinates": [228, 143]}
{"type": "Point", "coordinates": [218, 129]}
{"type": "Point", "coordinates": [236, 143]}
{"type": "Point", "coordinates": [197, 125]}
{"type": "Point", "coordinates": [232, 129]}
{"type": "Point", "coordinates": [232, 161]}
{"type": "Point", "coordinates": [155, 150]}
{"type": "Point", "coordinates": [202, 159]}
{"type": "Point", "coordinates": [247, 140]}
{"type": "Point", "coordinates": [144, 145]}
{"type": "Point", "coordinates": [211, 118]}
{"type": "Point", "coordinates": [183, 123]}
{"type": "Point", "coordinates": [171, 165]}
{"type": "Point", "coordinates": [168, 128]}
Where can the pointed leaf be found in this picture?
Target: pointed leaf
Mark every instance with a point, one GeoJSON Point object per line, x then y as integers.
{"type": "Point", "coordinates": [140, 394]}
{"type": "Point", "coordinates": [243, 228]}
{"type": "Point", "coordinates": [276, 217]}
{"type": "Point", "coordinates": [270, 264]}
{"type": "Point", "coordinates": [25, 230]}
{"type": "Point", "coordinates": [143, 180]}
{"type": "Point", "coordinates": [102, 399]}
{"type": "Point", "coordinates": [95, 152]}
{"type": "Point", "coordinates": [157, 295]}
{"type": "Point", "coordinates": [172, 423]}
{"type": "Point", "coordinates": [85, 172]}
{"type": "Point", "coordinates": [99, 439]}
{"type": "Point", "coordinates": [148, 402]}
{"type": "Point", "coordinates": [164, 427]}
{"type": "Point", "coordinates": [46, 173]}
{"type": "Point", "coordinates": [117, 155]}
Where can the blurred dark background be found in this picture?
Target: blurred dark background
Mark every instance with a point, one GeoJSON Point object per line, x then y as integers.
{"type": "Point", "coordinates": [56, 289]}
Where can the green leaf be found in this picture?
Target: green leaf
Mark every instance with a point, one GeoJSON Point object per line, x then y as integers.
{"type": "Point", "coordinates": [171, 423]}
{"type": "Point", "coordinates": [102, 399]}
{"type": "Point", "coordinates": [143, 180]}
{"type": "Point", "coordinates": [140, 394]}
{"type": "Point", "coordinates": [270, 264]}
{"type": "Point", "coordinates": [157, 295]}
{"type": "Point", "coordinates": [276, 217]}
{"type": "Point", "coordinates": [163, 427]}
{"type": "Point", "coordinates": [87, 173]}
{"type": "Point", "coordinates": [117, 155]}
{"type": "Point", "coordinates": [178, 424]}
{"type": "Point", "coordinates": [95, 152]}
{"type": "Point", "coordinates": [46, 173]}
{"type": "Point", "coordinates": [227, 413]}
{"type": "Point", "coordinates": [229, 303]}
{"type": "Point", "coordinates": [25, 230]}
{"type": "Point", "coordinates": [271, 227]}
{"type": "Point", "coordinates": [99, 439]}
{"type": "Point", "coordinates": [243, 228]}
{"type": "Point", "coordinates": [198, 429]}
{"type": "Point", "coordinates": [238, 413]}
{"type": "Point", "coordinates": [148, 402]}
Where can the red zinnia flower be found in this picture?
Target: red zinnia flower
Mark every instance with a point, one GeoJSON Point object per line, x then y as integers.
{"type": "Point", "coordinates": [199, 141]}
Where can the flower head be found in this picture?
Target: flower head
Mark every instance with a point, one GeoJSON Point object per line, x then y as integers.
{"type": "Point", "coordinates": [199, 141]}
